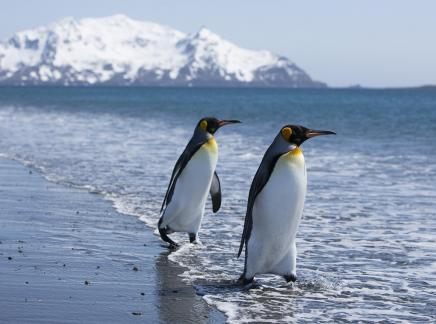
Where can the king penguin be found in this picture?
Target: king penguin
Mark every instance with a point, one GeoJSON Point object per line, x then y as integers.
{"type": "Point", "coordinates": [192, 178]}
{"type": "Point", "coordinates": [275, 205]}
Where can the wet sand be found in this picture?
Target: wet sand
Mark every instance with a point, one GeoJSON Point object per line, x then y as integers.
{"type": "Point", "coordinates": [67, 256]}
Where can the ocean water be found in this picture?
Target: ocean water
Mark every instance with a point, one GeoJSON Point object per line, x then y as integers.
{"type": "Point", "coordinates": [367, 240]}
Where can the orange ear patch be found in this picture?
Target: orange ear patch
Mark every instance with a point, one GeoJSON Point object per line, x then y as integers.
{"type": "Point", "coordinates": [286, 133]}
{"type": "Point", "coordinates": [203, 124]}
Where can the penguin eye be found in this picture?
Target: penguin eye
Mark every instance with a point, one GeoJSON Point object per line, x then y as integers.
{"type": "Point", "coordinates": [203, 124]}
{"type": "Point", "coordinates": [286, 133]}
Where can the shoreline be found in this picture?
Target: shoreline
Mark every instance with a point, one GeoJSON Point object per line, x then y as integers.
{"type": "Point", "coordinates": [67, 255]}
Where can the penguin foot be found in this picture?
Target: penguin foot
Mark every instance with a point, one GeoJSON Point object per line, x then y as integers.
{"type": "Point", "coordinates": [290, 277]}
{"type": "Point", "coordinates": [192, 238]}
{"type": "Point", "coordinates": [244, 282]}
{"type": "Point", "coordinates": [173, 246]}
{"type": "Point", "coordinates": [163, 234]}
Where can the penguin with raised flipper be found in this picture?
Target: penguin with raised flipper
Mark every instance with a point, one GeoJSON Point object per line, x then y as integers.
{"type": "Point", "coordinates": [275, 205]}
{"type": "Point", "coordinates": [193, 177]}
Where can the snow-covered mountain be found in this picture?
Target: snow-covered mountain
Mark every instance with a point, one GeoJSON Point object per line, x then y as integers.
{"type": "Point", "coordinates": [117, 50]}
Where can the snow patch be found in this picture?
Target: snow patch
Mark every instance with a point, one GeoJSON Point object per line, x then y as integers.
{"type": "Point", "coordinates": [120, 48]}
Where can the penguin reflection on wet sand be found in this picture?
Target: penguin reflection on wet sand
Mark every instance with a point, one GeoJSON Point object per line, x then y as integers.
{"type": "Point", "coordinates": [192, 178]}
{"type": "Point", "coordinates": [275, 205]}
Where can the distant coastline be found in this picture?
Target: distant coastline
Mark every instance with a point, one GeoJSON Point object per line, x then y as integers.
{"type": "Point", "coordinates": [422, 87]}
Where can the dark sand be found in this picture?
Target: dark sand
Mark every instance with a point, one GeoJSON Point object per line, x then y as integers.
{"type": "Point", "coordinates": [67, 256]}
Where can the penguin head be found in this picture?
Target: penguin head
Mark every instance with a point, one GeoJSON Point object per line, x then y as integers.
{"type": "Point", "coordinates": [297, 134]}
{"type": "Point", "coordinates": [212, 124]}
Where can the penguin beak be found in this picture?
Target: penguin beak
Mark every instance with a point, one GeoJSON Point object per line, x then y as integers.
{"type": "Point", "coordinates": [224, 122]}
{"type": "Point", "coordinates": [313, 133]}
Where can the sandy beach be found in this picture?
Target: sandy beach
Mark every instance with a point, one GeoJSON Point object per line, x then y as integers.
{"type": "Point", "coordinates": [67, 256]}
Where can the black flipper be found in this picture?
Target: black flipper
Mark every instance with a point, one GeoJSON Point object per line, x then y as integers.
{"type": "Point", "coordinates": [215, 192]}
{"type": "Point", "coordinates": [276, 149]}
{"type": "Point", "coordinates": [259, 181]}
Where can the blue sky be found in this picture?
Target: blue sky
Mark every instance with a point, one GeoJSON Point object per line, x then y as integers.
{"type": "Point", "coordinates": [341, 42]}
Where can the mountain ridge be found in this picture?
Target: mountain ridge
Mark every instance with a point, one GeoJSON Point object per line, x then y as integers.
{"type": "Point", "coordinates": [117, 50]}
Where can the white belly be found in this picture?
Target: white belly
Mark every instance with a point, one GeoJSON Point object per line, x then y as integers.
{"type": "Point", "coordinates": [276, 215]}
{"type": "Point", "coordinates": [185, 211]}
